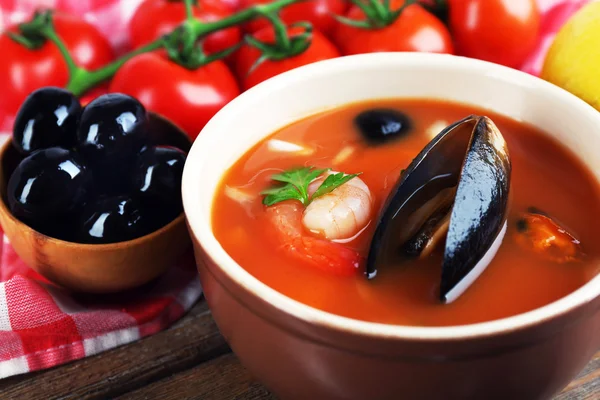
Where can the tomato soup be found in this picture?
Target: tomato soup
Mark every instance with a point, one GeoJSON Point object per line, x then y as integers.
{"type": "Point", "coordinates": [530, 269]}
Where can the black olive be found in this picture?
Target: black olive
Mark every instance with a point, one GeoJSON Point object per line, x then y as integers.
{"type": "Point", "coordinates": [381, 125]}
{"type": "Point", "coordinates": [113, 219]}
{"type": "Point", "coordinates": [112, 130]}
{"type": "Point", "coordinates": [47, 118]}
{"type": "Point", "coordinates": [157, 178]}
{"type": "Point", "coordinates": [47, 187]}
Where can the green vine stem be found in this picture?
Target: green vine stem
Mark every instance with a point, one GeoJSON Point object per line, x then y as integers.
{"type": "Point", "coordinates": [378, 14]}
{"type": "Point", "coordinates": [297, 43]}
{"type": "Point", "coordinates": [180, 44]}
{"type": "Point", "coordinates": [189, 10]}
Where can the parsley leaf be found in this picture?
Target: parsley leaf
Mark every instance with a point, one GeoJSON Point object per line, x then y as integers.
{"type": "Point", "coordinates": [331, 182]}
{"type": "Point", "coordinates": [295, 188]}
{"type": "Point", "coordinates": [296, 182]}
{"type": "Point", "coordinates": [277, 194]}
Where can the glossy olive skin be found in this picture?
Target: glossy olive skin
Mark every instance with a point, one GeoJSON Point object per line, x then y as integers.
{"type": "Point", "coordinates": [381, 125]}
{"type": "Point", "coordinates": [113, 219]}
{"type": "Point", "coordinates": [112, 129]}
{"type": "Point", "coordinates": [157, 178]}
{"type": "Point", "coordinates": [47, 188]}
{"type": "Point", "coordinates": [47, 118]}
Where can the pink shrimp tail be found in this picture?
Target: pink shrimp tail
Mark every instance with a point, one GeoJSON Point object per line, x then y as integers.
{"type": "Point", "coordinates": [327, 256]}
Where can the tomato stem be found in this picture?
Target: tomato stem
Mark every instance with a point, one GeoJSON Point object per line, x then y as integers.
{"type": "Point", "coordinates": [29, 42]}
{"type": "Point", "coordinates": [41, 25]}
{"type": "Point", "coordinates": [298, 43]}
{"type": "Point", "coordinates": [189, 12]}
{"type": "Point", "coordinates": [53, 37]}
{"type": "Point", "coordinates": [279, 27]}
{"type": "Point", "coordinates": [368, 11]}
{"type": "Point", "coordinates": [380, 10]}
{"type": "Point", "coordinates": [378, 14]}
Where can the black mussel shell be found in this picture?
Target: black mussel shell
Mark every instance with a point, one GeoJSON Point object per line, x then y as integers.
{"type": "Point", "coordinates": [470, 156]}
{"type": "Point", "coordinates": [47, 118]}
{"type": "Point", "coordinates": [382, 125]}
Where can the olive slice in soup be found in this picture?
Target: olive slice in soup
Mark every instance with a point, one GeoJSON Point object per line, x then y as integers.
{"type": "Point", "coordinates": [381, 125]}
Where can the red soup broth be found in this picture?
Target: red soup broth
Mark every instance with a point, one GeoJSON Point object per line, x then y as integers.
{"type": "Point", "coordinates": [544, 175]}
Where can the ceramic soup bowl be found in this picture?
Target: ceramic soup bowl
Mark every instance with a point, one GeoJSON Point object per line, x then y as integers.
{"type": "Point", "coordinates": [300, 352]}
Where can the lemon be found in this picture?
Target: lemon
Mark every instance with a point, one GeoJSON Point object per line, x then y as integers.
{"type": "Point", "coordinates": [573, 60]}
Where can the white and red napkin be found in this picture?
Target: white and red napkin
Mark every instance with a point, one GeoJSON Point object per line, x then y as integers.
{"type": "Point", "coordinates": [42, 326]}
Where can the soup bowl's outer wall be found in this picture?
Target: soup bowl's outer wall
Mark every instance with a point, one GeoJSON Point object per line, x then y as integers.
{"type": "Point", "coordinates": [303, 353]}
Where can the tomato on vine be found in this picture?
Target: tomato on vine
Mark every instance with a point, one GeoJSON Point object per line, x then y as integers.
{"type": "Point", "coordinates": [504, 32]}
{"type": "Point", "coordinates": [24, 70]}
{"type": "Point", "coordinates": [188, 97]}
{"type": "Point", "coordinates": [399, 25]}
{"type": "Point", "coordinates": [93, 93]}
{"type": "Point", "coordinates": [154, 18]}
{"type": "Point", "coordinates": [251, 70]}
{"type": "Point", "coordinates": [320, 13]}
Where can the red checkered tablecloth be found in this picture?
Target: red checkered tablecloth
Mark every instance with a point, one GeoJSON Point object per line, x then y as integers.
{"type": "Point", "coordinates": [42, 326]}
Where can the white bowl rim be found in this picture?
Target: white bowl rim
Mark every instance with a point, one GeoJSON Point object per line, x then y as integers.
{"type": "Point", "coordinates": [201, 227]}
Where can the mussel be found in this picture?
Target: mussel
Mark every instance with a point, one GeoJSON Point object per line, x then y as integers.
{"type": "Point", "coordinates": [455, 191]}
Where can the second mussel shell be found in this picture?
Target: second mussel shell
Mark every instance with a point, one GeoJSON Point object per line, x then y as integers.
{"type": "Point", "coordinates": [454, 192]}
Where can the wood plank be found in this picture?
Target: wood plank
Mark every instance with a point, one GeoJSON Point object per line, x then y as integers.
{"type": "Point", "coordinates": [188, 361]}
{"type": "Point", "coordinates": [222, 378]}
{"type": "Point", "coordinates": [191, 341]}
{"type": "Point", "coordinates": [587, 385]}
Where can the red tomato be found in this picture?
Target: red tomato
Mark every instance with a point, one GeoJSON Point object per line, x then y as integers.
{"type": "Point", "coordinates": [23, 71]}
{"type": "Point", "coordinates": [318, 12]}
{"type": "Point", "coordinates": [93, 93]}
{"type": "Point", "coordinates": [189, 98]}
{"type": "Point", "coordinates": [500, 31]}
{"type": "Point", "coordinates": [154, 18]}
{"type": "Point", "coordinates": [320, 49]}
{"type": "Point", "coordinates": [415, 29]}
{"type": "Point", "coordinates": [233, 5]}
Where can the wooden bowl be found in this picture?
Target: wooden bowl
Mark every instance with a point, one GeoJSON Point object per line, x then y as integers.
{"type": "Point", "coordinates": [97, 268]}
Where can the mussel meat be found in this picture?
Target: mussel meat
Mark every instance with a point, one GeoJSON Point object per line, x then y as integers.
{"type": "Point", "coordinates": [540, 234]}
{"type": "Point", "coordinates": [454, 192]}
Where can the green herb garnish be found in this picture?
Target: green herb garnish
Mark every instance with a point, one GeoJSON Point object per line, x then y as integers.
{"type": "Point", "coordinates": [295, 185]}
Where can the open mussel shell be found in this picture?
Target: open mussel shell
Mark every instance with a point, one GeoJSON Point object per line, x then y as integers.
{"type": "Point", "coordinates": [456, 190]}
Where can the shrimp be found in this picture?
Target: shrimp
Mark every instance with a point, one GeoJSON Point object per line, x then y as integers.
{"type": "Point", "coordinates": [341, 214]}
{"type": "Point", "coordinates": [294, 235]}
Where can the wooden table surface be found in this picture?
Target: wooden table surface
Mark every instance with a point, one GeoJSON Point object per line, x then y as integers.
{"type": "Point", "coordinates": [188, 361]}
